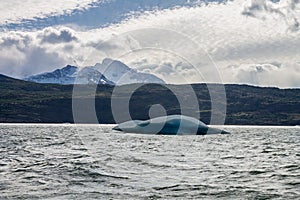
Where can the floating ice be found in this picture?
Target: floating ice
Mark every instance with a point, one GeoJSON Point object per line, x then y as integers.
{"type": "Point", "coordinates": [169, 125]}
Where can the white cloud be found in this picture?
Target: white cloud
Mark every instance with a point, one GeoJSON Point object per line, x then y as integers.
{"type": "Point", "coordinates": [14, 11]}
{"type": "Point", "coordinates": [266, 74]}
{"type": "Point", "coordinates": [86, 13]}
{"type": "Point", "coordinates": [180, 45]}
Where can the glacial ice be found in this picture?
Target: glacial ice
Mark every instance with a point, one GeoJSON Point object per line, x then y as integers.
{"type": "Point", "coordinates": [168, 125]}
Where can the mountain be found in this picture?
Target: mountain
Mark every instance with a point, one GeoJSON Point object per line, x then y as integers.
{"type": "Point", "coordinates": [88, 75]}
{"type": "Point", "coordinates": [109, 72]}
{"type": "Point", "coordinates": [28, 102]}
{"type": "Point", "coordinates": [6, 79]}
{"type": "Point", "coordinates": [60, 76]}
{"type": "Point", "coordinates": [121, 74]}
{"type": "Point", "coordinates": [70, 75]}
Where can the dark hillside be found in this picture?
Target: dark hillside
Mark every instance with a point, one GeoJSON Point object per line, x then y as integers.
{"type": "Point", "coordinates": [22, 101]}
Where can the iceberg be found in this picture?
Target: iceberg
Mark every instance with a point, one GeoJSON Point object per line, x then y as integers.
{"type": "Point", "coordinates": [168, 125]}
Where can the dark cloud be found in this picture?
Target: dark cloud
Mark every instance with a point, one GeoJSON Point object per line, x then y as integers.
{"type": "Point", "coordinates": [52, 36]}
{"type": "Point", "coordinates": [15, 39]}
{"type": "Point", "coordinates": [256, 7]}
{"type": "Point", "coordinates": [261, 9]}
{"type": "Point", "coordinates": [21, 55]}
{"type": "Point", "coordinates": [33, 60]}
{"type": "Point", "coordinates": [39, 60]}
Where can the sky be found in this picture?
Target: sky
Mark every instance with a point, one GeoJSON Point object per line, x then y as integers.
{"type": "Point", "coordinates": [253, 42]}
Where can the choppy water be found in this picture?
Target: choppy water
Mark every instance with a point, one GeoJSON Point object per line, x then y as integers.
{"type": "Point", "coordinates": [93, 162]}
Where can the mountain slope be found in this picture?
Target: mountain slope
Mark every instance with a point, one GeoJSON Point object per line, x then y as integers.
{"type": "Point", "coordinates": [22, 101]}
{"type": "Point", "coordinates": [70, 75]}
{"type": "Point", "coordinates": [6, 79]}
{"type": "Point", "coordinates": [108, 72]}
{"type": "Point", "coordinates": [121, 74]}
{"type": "Point", "coordinates": [60, 76]}
{"type": "Point", "coordinates": [88, 75]}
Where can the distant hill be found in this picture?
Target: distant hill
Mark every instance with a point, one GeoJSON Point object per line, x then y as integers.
{"type": "Point", "coordinates": [109, 72]}
{"type": "Point", "coordinates": [22, 101]}
{"type": "Point", "coordinates": [70, 75]}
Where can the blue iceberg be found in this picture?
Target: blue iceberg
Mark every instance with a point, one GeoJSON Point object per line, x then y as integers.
{"type": "Point", "coordinates": [168, 125]}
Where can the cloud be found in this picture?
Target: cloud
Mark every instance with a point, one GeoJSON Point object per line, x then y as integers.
{"type": "Point", "coordinates": [23, 54]}
{"type": "Point", "coordinates": [169, 68]}
{"type": "Point", "coordinates": [15, 11]}
{"type": "Point", "coordinates": [287, 10]}
{"type": "Point", "coordinates": [87, 13]}
{"type": "Point", "coordinates": [180, 45]}
{"type": "Point", "coordinates": [266, 74]}
{"type": "Point", "coordinates": [62, 35]}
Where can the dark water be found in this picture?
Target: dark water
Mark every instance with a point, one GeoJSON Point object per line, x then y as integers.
{"type": "Point", "coordinates": [92, 162]}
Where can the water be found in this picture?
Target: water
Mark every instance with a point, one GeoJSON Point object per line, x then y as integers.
{"type": "Point", "coordinates": [93, 162]}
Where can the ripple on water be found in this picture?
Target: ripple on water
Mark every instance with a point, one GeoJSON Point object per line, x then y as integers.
{"type": "Point", "coordinates": [92, 162]}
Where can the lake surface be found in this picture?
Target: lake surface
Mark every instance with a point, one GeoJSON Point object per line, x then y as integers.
{"type": "Point", "coordinates": [94, 162]}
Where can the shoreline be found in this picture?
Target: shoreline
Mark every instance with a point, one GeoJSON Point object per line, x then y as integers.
{"type": "Point", "coordinates": [72, 124]}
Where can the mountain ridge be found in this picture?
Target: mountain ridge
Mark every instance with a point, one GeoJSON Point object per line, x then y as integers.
{"type": "Point", "coordinates": [28, 102]}
{"type": "Point", "coordinates": [110, 72]}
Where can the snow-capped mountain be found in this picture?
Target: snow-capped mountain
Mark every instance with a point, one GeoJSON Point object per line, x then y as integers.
{"type": "Point", "coordinates": [109, 72]}
{"type": "Point", "coordinates": [60, 76]}
{"type": "Point", "coordinates": [88, 75]}
{"type": "Point", "coordinates": [121, 74]}
{"type": "Point", "coordinates": [70, 75]}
